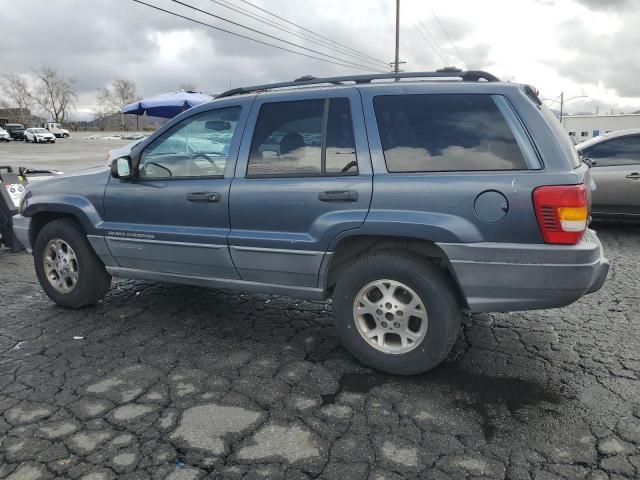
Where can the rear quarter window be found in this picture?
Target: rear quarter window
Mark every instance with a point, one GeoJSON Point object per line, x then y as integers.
{"type": "Point", "coordinates": [561, 136]}
{"type": "Point", "coordinates": [445, 132]}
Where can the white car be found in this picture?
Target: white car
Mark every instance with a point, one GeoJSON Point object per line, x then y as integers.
{"type": "Point", "coordinates": [4, 135]}
{"type": "Point", "coordinates": [122, 151]}
{"type": "Point", "coordinates": [38, 135]}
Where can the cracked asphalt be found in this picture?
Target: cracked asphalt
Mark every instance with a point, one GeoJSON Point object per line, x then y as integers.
{"type": "Point", "coordinates": [162, 381]}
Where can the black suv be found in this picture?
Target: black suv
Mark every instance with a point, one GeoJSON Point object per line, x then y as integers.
{"type": "Point", "coordinates": [16, 130]}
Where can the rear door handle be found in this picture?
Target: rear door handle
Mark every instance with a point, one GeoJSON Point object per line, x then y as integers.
{"type": "Point", "coordinates": [634, 176]}
{"type": "Point", "coordinates": [338, 196]}
{"type": "Point", "coordinates": [203, 197]}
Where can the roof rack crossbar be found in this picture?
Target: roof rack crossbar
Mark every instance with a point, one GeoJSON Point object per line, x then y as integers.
{"type": "Point", "coordinates": [465, 75]}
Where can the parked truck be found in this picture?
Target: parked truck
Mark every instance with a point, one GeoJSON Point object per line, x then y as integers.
{"type": "Point", "coordinates": [56, 129]}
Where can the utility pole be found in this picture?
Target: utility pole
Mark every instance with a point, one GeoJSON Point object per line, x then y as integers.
{"type": "Point", "coordinates": [561, 105]}
{"type": "Point", "coordinates": [396, 67]}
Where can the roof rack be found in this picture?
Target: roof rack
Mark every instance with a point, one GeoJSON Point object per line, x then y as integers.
{"type": "Point", "coordinates": [449, 72]}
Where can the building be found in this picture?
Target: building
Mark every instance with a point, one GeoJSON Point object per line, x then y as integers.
{"type": "Point", "coordinates": [584, 127]}
{"type": "Point", "coordinates": [14, 115]}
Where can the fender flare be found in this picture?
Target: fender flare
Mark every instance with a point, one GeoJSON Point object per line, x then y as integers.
{"type": "Point", "coordinates": [74, 205]}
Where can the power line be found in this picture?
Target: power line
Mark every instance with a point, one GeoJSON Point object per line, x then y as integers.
{"type": "Point", "coordinates": [279, 26]}
{"type": "Point", "coordinates": [328, 44]}
{"type": "Point", "coordinates": [429, 43]}
{"type": "Point", "coordinates": [248, 38]}
{"type": "Point", "coordinates": [433, 39]}
{"type": "Point", "coordinates": [306, 29]}
{"type": "Point", "coordinates": [448, 37]}
{"type": "Point", "coordinates": [268, 35]}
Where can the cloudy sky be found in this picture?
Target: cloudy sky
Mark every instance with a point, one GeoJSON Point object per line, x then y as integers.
{"type": "Point", "coordinates": [579, 47]}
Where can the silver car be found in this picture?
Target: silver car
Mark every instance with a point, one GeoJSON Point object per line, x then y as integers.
{"type": "Point", "coordinates": [615, 161]}
{"type": "Point", "coordinates": [122, 151]}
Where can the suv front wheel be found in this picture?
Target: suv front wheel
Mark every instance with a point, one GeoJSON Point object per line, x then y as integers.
{"type": "Point", "coordinates": [68, 269]}
{"type": "Point", "coordinates": [396, 312]}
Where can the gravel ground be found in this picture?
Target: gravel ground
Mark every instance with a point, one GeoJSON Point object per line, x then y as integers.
{"type": "Point", "coordinates": [162, 381]}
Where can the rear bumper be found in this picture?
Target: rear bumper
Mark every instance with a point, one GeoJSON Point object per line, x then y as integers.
{"type": "Point", "coordinates": [498, 277]}
{"type": "Point", "coordinates": [21, 229]}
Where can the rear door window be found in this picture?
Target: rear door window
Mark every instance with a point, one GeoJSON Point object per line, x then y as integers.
{"type": "Point", "coordinates": [449, 132]}
{"type": "Point", "coordinates": [303, 138]}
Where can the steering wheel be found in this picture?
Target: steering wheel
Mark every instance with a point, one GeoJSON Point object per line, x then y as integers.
{"type": "Point", "coordinates": [194, 156]}
{"type": "Point", "coordinates": [349, 166]}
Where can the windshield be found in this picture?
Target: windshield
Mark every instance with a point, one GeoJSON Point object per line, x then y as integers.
{"type": "Point", "coordinates": [39, 130]}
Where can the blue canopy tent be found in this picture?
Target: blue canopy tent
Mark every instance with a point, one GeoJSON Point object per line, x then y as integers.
{"type": "Point", "coordinates": [166, 105]}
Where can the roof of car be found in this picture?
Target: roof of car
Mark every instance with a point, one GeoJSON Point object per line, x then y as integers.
{"type": "Point", "coordinates": [607, 136]}
{"type": "Point", "coordinates": [310, 81]}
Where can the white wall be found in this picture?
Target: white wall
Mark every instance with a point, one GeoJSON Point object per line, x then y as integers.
{"type": "Point", "coordinates": [598, 123]}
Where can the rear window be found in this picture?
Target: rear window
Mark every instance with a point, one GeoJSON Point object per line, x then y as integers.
{"type": "Point", "coordinates": [450, 132]}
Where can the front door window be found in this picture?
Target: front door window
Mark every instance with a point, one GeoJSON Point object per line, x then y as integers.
{"type": "Point", "coordinates": [196, 147]}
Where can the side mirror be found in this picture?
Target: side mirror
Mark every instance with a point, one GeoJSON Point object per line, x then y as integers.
{"type": "Point", "coordinates": [589, 161]}
{"type": "Point", "coordinates": [121, 168]}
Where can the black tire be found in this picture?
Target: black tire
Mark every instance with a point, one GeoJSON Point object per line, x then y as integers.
{"type": "Point", "coordinates": [26, 139]}
{"type": "Point", "coordinates": [431, 284]}
{"type": "Point", "coordinates": [64, 135]}
{"type": "Point", "coordinates": [93, 279]}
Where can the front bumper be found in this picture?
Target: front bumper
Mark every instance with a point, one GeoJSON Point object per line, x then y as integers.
{"type": "Point", "coordinates": [21, 229]}
{"type": "Point", "coordinates": [499, 277]}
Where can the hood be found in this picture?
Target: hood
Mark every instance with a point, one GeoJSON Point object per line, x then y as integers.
{"type": "Point", "coordinates": [71, 183]}
{"type": "Point", "coordinates": [82, 190]}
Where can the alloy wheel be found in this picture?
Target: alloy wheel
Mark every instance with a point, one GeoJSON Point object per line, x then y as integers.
{"type": "Point", "coordinates": [390, 316]}
{"type": "Point", "coordinates": [60, 265]}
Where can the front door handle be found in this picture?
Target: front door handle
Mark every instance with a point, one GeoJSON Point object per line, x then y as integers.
{"type": "Point", "coordinates": [203, 197]}
{"type": "Point", "coordinates": [338, 196]}
{"type": "Point", "coordinates": [634, 176]}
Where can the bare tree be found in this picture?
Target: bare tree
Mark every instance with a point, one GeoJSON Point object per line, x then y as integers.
{"type": "Point", "coordinates": [54, 94]}
{"type": "Point", "coordinates": [112, 98]}
{"type": "Point", "coordinates": [16, 89]}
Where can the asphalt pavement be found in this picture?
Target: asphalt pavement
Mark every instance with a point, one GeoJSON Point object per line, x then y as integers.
{"type": "Point", "coordinates": [82, 150]}
{"type": "Point", "coordinates": [164, 381]}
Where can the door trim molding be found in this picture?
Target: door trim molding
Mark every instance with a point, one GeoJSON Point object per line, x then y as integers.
{"type": "Point", "coordinates": [164, 242]}
{"type": "Point", "coordinates": [275, 250]}
{"type": "Point", "coordinates": [309, 293]}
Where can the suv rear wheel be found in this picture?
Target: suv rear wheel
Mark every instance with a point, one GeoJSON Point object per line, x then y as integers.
{"type": "Point", "coordinates": [396, 312]}
{"type": "Point", "coordinates": [68, 269]}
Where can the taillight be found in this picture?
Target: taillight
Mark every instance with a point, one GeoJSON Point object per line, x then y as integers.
{"type": "Point", "coordinates": [562, 212]}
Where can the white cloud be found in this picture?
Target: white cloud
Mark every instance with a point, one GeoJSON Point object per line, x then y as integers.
{"type": "Point", "coordinates": [581, 47]}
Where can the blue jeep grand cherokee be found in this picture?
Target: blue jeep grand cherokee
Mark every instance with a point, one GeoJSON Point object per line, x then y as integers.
{"type": "Point", "coordinates": [405, 201]}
